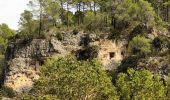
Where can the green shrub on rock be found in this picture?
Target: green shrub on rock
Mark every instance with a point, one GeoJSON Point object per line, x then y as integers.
{"type": "Point", "coordinates": [140, 85]}
{"type": "Point", "coordinates": [140, 45]}
{"type": "Point", "coordinates": [69, 79]}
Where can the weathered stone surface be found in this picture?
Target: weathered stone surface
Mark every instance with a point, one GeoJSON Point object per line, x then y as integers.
{"type": "Point", "coordinates": [111, 53]}
{"type": "Point", "coordinates": [4, 98]}
{"type": "Point", "coordinates": [24, 59]}
{"type": "Point", "coordinates": [159, 65]}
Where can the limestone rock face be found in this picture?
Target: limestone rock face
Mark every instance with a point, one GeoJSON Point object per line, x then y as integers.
{"type": "Point", "coordinates": [160, 65]}
{"type": "Point", "coordinates": [24, 59]}
{"type": "Point", "coordinates": [111, 53]}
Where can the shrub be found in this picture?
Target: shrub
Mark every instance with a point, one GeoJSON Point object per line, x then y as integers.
{"type": "Point", "coordinates": [69, 79]}
{"type": "Point", "coordinates": [168, 86]}
{"type": "Point", "coordinates": [140, 45]}
{"type": "Point", "coordinates": [7, 92]}
{"type": "Point", "coordinates": [140, 85]}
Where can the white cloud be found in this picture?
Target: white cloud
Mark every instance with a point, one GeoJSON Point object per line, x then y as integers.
{"type": "Point", "coordinates": [10, 11]}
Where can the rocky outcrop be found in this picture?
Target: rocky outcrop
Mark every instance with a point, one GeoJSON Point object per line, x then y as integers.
{"type": "Point", "coordinates": [24, 59]}
{"type": "Point", "coordinates": [111, 53]}
{"type": "Point", "coordinates": [159, 65]}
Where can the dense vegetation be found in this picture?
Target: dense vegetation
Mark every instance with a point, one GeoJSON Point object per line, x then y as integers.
{"type": "Point", "coordinates": [92, 15]}
{"type": "Point", "coordinates": [5, 34]}
{"type": "Point", "coordinates": [69, 78]}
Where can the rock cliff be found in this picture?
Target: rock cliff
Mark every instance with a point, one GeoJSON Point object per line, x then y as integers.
{"type": "Point", "coordinates": [24, 58]}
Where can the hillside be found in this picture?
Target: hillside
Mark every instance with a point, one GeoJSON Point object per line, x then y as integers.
{"type": "Point", "coordinates": [87, 50]}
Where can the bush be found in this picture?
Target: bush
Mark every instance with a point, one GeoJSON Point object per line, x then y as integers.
{"type": "Point", "coordinates": [140, 85]}
{"type": "Point", "coordinates": [69, 79]}
{"type": "Point", "coordinates": [140, 45]}
{"type": "Point", "coordinates": [7, 92]}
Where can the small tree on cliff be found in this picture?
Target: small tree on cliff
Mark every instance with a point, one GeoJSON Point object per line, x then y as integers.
{"type": "Point", "coordinates": [28, 26]}
{"type": "Point", "coordinates": [140, 45]}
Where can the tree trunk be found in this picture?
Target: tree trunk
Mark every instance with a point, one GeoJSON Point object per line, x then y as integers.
{"type": "Point", "coordinates": [167, 13]}
{"type": "Point", "coordinates": [79, 20]}
{"type": "Point", "coordinates": [40, 23]}
{"type": "Point", "coordinates": [94, 7]}
{"type": "Point", "coordinates": [62, 11]}
{"type": "Point", "coordinates": [67, 15]}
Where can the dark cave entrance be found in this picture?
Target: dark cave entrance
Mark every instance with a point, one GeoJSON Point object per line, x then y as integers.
{"type": "Point", "coordinates": [112, 55]}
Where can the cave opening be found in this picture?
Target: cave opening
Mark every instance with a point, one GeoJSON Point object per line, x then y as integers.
{"type": "Point", "coordinates": [41, 62]}
{"type": "Point", "coordinates": [112, 55]}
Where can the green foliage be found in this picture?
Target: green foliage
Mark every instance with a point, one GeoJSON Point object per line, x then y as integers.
{"type": "Point", "coordinates": [5, 34]}
{"type": "Point", "coordinates": [31, 97]}
{"type": "Point", "coordinates": [28, 26]}
{"type": "Point", "coordinates": [68, 18]}
{"type": "Point", "coordinates": [92, 15]}
{"type": "Point", "coordinates": [140, 85]}
{"type": "Point", "coordinates": [2, 65]}
{"type": "Point", "coordinates": [67, 78]}
{"type": "Point", "coordinates": [93, 22]}
{"type": "Point", "coordinates": [7, 92]}
{"type": "Point", "coordinates": [141, 11]}
{"type": "Point", "coordinates": [3, 44]}
{"type": "Point", "coordinates": [140, 45]}
{"type": "Point", "coordinates": [89, 19]}
{"type": "Point", "coordinates": [168, 86]}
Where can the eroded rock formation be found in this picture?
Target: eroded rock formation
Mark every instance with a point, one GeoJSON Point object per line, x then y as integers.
{"type": "Point", "coordinates": [24, 58]}
{"type": "Point", "coordinates": [111, 53]}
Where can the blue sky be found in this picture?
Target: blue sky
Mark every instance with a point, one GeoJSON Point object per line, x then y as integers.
{"type": "Point", "coordinates": [10, 11]}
